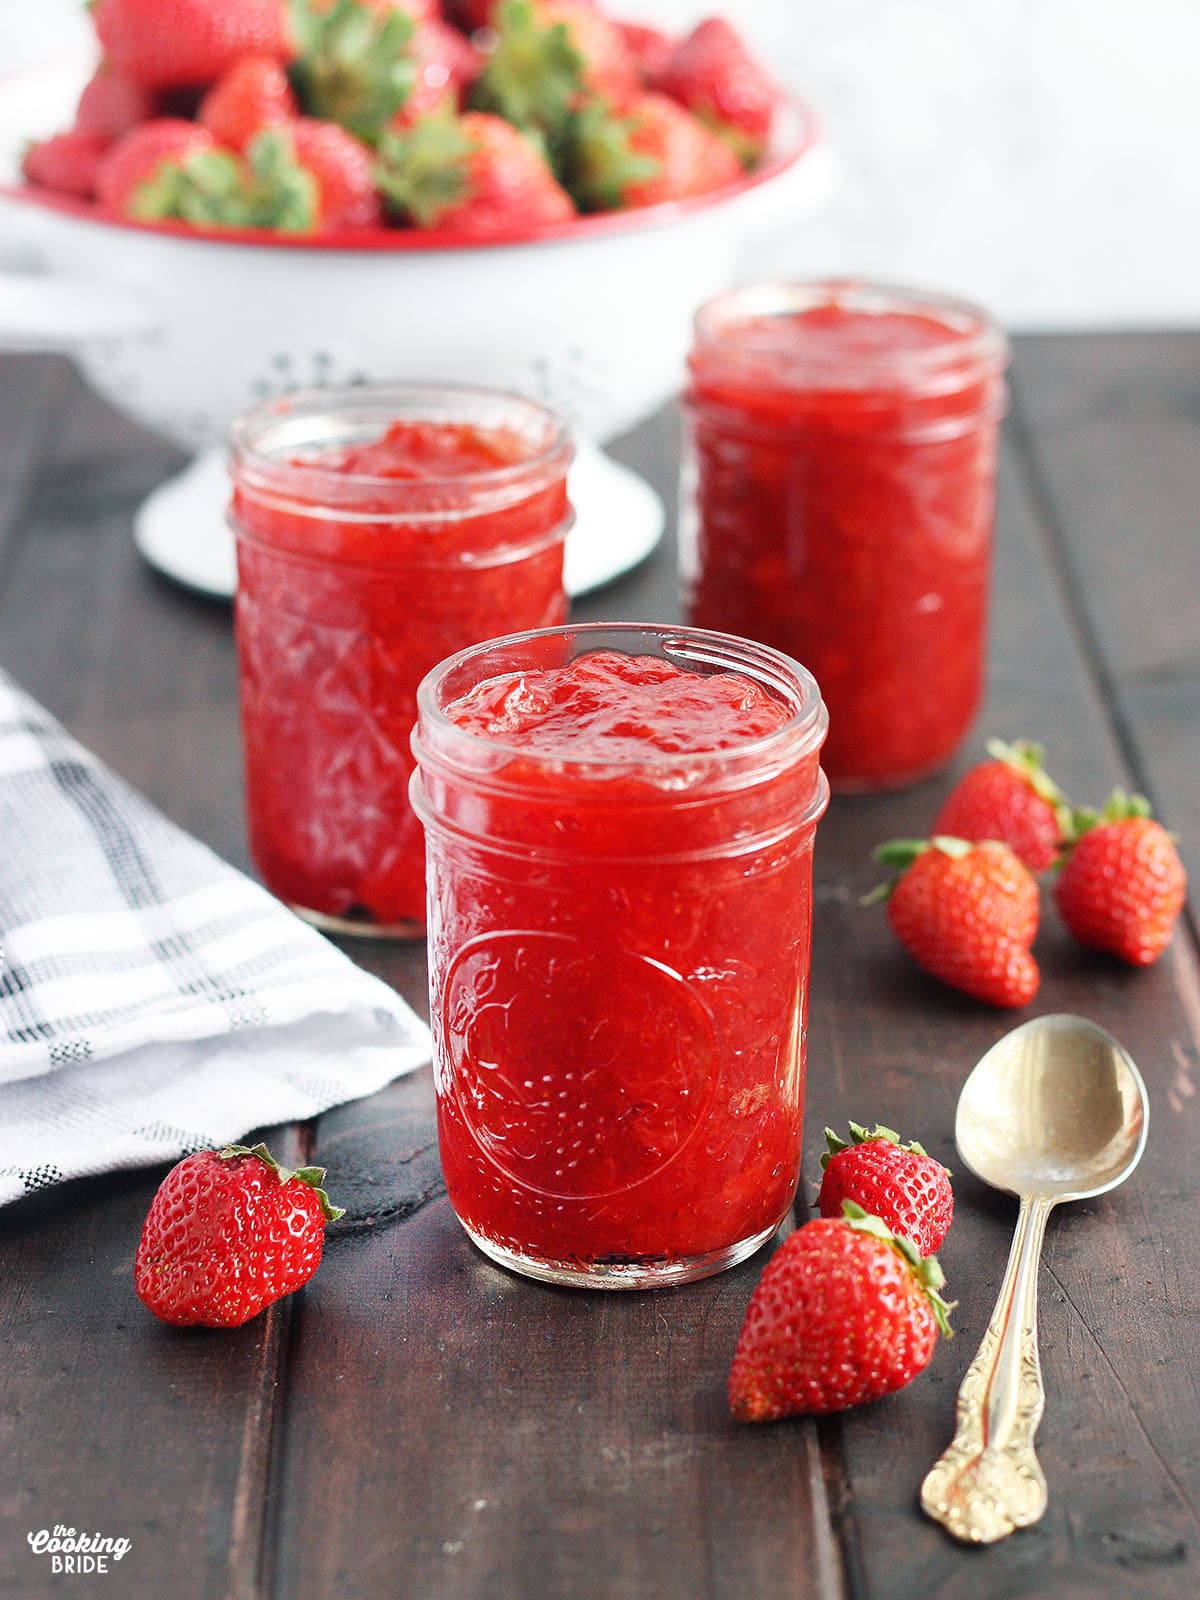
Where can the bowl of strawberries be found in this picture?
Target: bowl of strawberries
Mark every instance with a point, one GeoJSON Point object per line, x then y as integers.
{"type": "Point", "coordinates": [240, 197]}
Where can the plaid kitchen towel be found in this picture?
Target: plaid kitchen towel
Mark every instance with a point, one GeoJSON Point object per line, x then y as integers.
{"type": "Point", "coordinates": [153, 1000]}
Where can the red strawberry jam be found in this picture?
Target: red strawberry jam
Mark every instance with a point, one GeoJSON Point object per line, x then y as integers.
{"type": "Point", "coordinates": [620, 828]}
{"type": "Point", "coordinates": [379, 530]}
{"type": "Point", "coordinates": [843, 450]}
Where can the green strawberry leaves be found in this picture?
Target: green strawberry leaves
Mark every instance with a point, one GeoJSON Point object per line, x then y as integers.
{"type": "Point", "coordinates": [1117, 808]}
{"type": "Point", "coordinates": [899, 854]}
{"type": "Point", "coordinates": [354, 64]}
{"type": "Point", "coordinates": [925, 1269]}
{"type": "Point", "coordinates": [861, 1135]}
{"type": "Point", "coordinates": [1028, 759]}
{"type": "Point", "coordinates": [534, 76]}
{"type": "Point", "coordinates": [214, 189]}
{"type": "Point", "coordinates": [599, 163]}
{"type": "Point", "coordinates": [424, 171]}
{"type": "Point", "coordinates": [314, 1177]}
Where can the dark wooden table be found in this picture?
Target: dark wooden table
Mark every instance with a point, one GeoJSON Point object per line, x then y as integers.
{"type": "Point", "coordinates": [416, 1424]}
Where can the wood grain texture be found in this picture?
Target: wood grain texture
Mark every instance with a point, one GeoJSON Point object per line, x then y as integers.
{"type": "Point", "coordinates": [1110, 428]}
{"type": "Point", "coordinates": [112, 1423]}
{"type": "Point", "coordinates": [1114, 1292]}
{"type": "Point", "coordinates": [417, 1423]}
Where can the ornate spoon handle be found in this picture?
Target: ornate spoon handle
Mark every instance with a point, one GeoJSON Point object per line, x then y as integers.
{"type": "Point", "coordinates": [989, 1482]}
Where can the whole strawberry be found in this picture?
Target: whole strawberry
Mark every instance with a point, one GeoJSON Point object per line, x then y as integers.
{"type": "Point", "coordinates": [475, 176]}
{"type": "Point", "coordinates": [1122, 885]}
{"type": "Point", "coordinates": [169, 44]}
{"type": "Point", "coordinates": [844, 1312]}
{"type": "Point", "coordinates": [899, 1183]}
{"type": "Point", "coordinates": [1011, 798]}
{"type": "Point", "coordinates": [652, 151]}
{"type": "Point", "coordinates": [228, 1232]}
{"type": "Point", "coordinates": [549, 57]}
{"type": "Point", "coordinates": [719, 80]}
{"type": "Point", "coordinates": [967, 913]}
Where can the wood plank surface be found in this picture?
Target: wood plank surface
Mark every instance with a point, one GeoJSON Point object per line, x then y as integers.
{"type": "Point", "coordinates": [1110, 428]}
{"type": "Point", "coordinates": [418, 1423]}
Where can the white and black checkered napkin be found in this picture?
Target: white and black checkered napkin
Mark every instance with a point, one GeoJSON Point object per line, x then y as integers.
{"type": "Point", "coordinates": [152, 999]}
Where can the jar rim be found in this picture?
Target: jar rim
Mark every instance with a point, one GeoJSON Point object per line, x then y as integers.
{"type": "Point", "coordinates": [799, 736]}
{"type": "Point", "coordinates": [263, 439]}
{"type": "Point", "coordinates": [975, 342]}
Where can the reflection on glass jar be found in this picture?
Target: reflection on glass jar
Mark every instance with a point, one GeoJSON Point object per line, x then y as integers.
{"type": "Point", "coordinates": [620, 827]}
{"type": "Point", "coordinates": [379, 529]}
{"type": "Point", "coordinates": [837, 503]}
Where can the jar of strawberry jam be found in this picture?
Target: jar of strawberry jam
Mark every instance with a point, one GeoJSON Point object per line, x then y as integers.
{"type": "Point", "coordinates": [379, 529]}
{"type": "Point", "coordinates": [620, 827]}
{"type": "Point", "coordinates": [838, 493]}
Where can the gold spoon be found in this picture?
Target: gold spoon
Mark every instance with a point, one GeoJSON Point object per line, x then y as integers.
{"type": "Point", "coordinates": [1054, 1111]}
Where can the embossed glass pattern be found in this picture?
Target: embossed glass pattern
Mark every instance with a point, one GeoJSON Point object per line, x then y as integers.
{"type": "Point", "coordinates": [619, 958]}
{"type": "Point", "coordinates": [350, 588]}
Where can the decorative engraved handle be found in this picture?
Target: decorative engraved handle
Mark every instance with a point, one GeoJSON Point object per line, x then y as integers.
{"type": "Point", "coordinates": [989, 1482]}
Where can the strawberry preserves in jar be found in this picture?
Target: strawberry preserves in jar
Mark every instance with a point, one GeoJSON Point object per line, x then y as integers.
{"type": "Point", "coordinates": [838, 499]}
{"type": "Point", "coordinates": [620, 828]}
{"type": "Point", "coordinates": [379, 529]}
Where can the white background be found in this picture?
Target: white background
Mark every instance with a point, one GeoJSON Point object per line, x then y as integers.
{"type": "Point", "coordinates": [1042, 156]}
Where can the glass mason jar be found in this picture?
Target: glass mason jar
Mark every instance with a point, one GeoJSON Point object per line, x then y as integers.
{"type": "Point", "coordinates": [619, 963]}
{"type": "Point", "coordinates": [379, 529]}
{"type": "Point", "coordinates": [837, 503]}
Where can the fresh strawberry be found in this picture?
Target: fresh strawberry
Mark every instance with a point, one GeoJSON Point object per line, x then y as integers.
{"type": "Point", "coordinates": [899, 1183]}
{"type": "Point", "coordinates": [844, 1312]}
{"type": "Point", "coordinates": [228, 1232]}
{"type": "Point", "coordinates": [305, 177]}
{"type": "Point", "coordinates": [1011, 798]}
{"type": "Point", "coordinates": [652, 152]}
{"type": "Point", "coordinates": [649, 48]}
{"type": "Point", "coordinates": [140, 175]}
{"type": "Point", "coordinates": [165, 44]}
{"type": "Point", "coordinates": [252, 95]}
{"type": "Point", "coordinates": [68, 163]}
{"type": "Point", "coordinates": [475, 176]}
{"type": "Point", "coordinates": [550, 56]}
{"type": "Point", "coordinates": [967, 913]}
{"type": "Point", "coordinates": [1122, 885]}
{"type": "Point", "coordinates": [720, 81]}
{"type": "Point", "coordinates": [111, 104]}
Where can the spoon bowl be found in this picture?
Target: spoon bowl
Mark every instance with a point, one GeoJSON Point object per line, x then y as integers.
{"type": "Point", "coordinates": [1056, 1110]}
